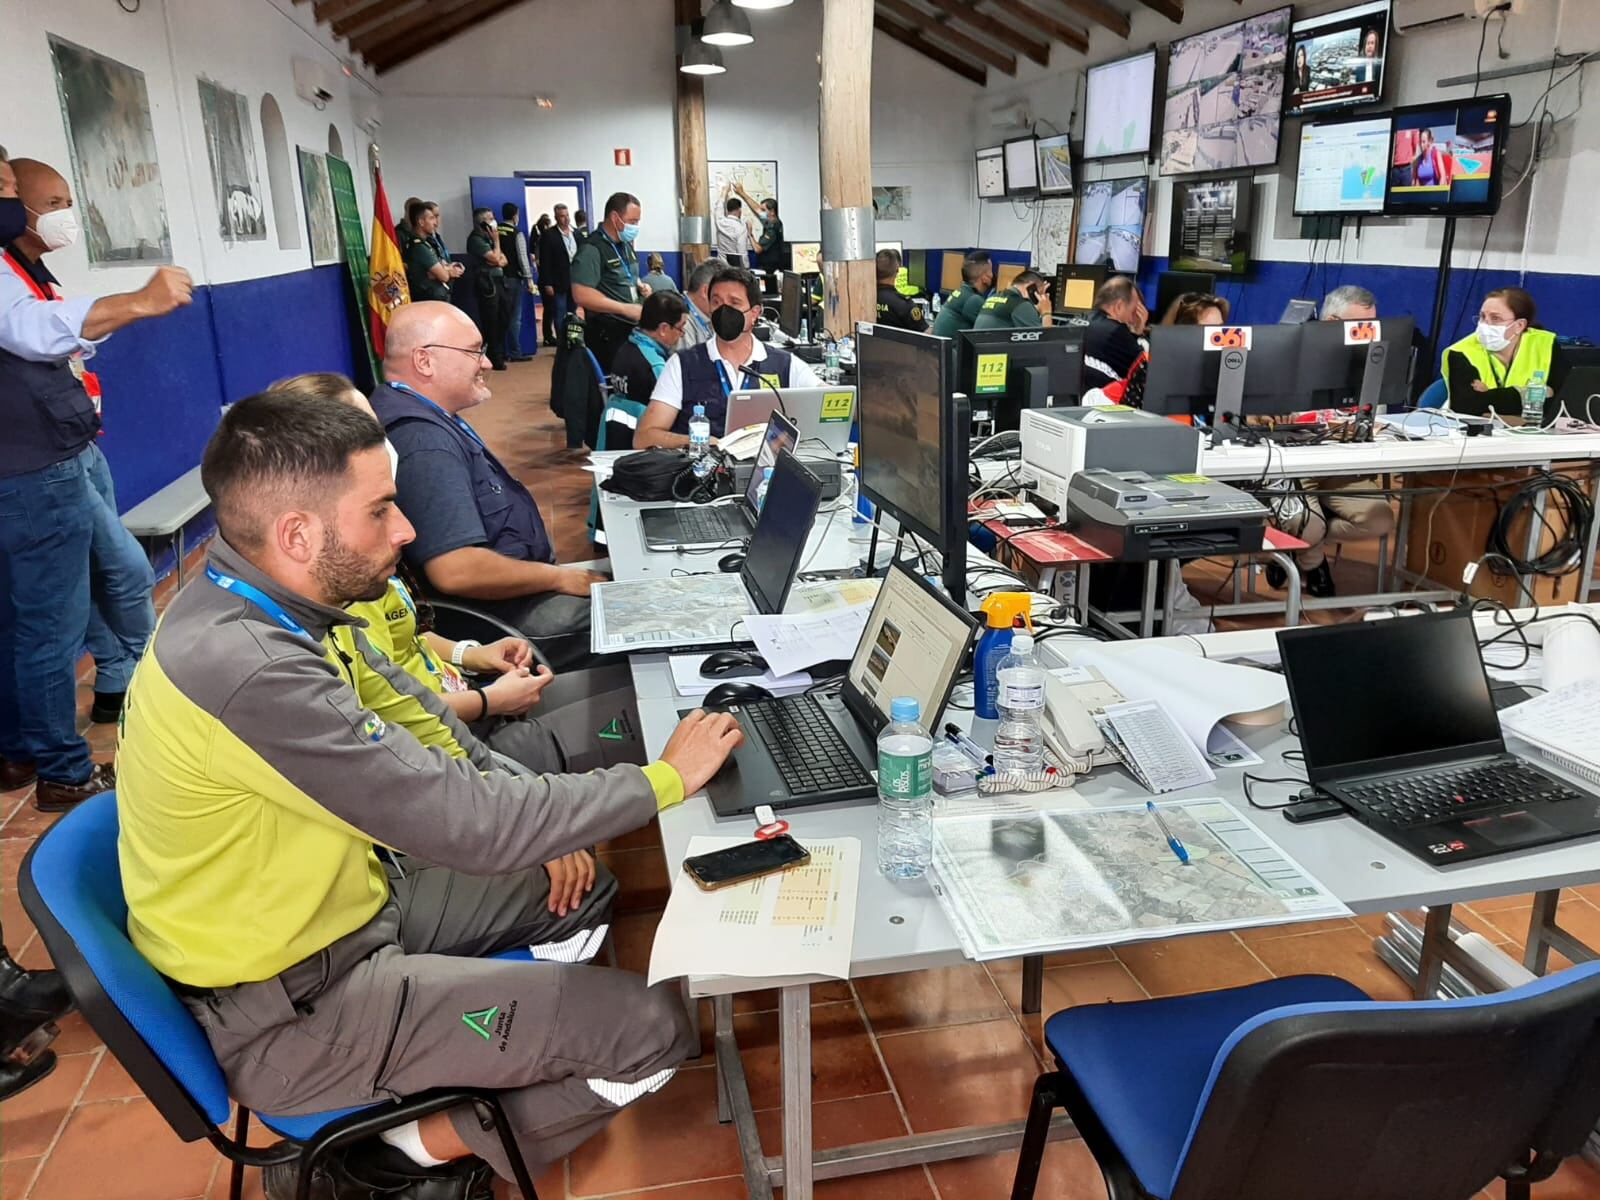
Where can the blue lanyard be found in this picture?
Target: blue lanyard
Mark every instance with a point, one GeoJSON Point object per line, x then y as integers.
{"type": "Point", "coordinates": [411, 605]}
{"type": "Point", "coordinates": [257, 597]}
{"type": "Point", "coordinates": [722, 378]}
{"type": "Point", "coordinates": [459, 423]}
{"type": "Point", "coordinates": [701, 322]}
{"type": "Point", "coordinates": [633, 275]}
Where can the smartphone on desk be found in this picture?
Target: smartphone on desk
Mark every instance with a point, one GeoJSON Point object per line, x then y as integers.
{"type": "Point", "coordinates": [749, 860]}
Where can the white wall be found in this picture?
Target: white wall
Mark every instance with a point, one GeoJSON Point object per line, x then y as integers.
{"type": "Point", "coordinates": [467, 109]}
{"type": "Point", "coordinates": [245, 45]}
{"type": "Point", "coordinates": [1562, 238]}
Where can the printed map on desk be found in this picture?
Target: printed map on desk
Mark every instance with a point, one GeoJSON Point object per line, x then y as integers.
{"type": "Point", "coordinates": [1105, 876]}
{"type": "Point", "coordinates": [697, 610]}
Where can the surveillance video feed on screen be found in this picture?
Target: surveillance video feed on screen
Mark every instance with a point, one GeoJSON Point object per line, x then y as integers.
{"type": "Point", "coordinates": [1225, 96]}
{"type": "Point", "coordinates": [1337, 59]}
{"type": "Point", "coordinates": [1117, 111]}
{"type": "Point", "coordinates": [1111, 223]}
{"type": "Point", "coordinates": [1055, 166]}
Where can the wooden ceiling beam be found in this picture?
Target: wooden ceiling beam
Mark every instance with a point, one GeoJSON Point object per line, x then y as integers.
{"type": "Point", "coordinates": [1101, 14]}
{"type": "Point", "coordinates": [913, 39]}
{"type": "Point", "coordinates": [1170, 9]}
{"type": "Point", "coordinates": [991, 27]}
{"type": "Point", "coordinates": [1075, 39]}
{"type": "Point", "coordinates": [930, 27]}
{"type": "Point", "coordinates": [356, 19]}
{"type": "Point", "coordinates": [418, 22]}
{"type": "Point", "coordinates": [386, 56]}
{"type": "Point", "coordinates": [332, 10]}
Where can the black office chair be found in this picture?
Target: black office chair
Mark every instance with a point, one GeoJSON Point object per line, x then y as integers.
{"type": "Point", "coordinates": [457, 621]}
{"type": "Point", "coordinates": [1304, 1089]}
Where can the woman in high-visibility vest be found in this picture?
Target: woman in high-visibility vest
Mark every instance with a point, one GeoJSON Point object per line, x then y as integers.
{"type": "Point", "coordinates": [1489, 367]}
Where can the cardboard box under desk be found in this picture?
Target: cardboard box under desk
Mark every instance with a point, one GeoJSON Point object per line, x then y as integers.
{"type": "Point", "coordinates": [1459, 532]}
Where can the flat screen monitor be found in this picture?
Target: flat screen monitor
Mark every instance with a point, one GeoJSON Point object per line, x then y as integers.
{"type": "Point", "coordinates": [1337, 59]}
{"type": "Point", "coordinates": [1005, 274]}
{"type": "Point", "coordinates": [1111, 216]}
{"type": "Point", "coordinates": [1076, 286]}
{"type": "Point", "coordinates": [1446, 160]}
{"type": "Point", "coordinates": [1022, 167]}
{"type": "Point", "coordinates": [1224, 98]}
{"type": "Point", "coordinates": [1185, 362]}
{"type": "Point", "coordinates": [1343, 169]}
{"type": "Point", "coordinates": [1335, 357]}
{"type": "Point", "coordinates": [914, 434]}
{"type": "Point", "coordinates": [991, 173]}
{"type": "Point", "coordinates": [1003, 371]}
{"type": "Point", "coordinates": [1055, 166]}
{"type": "Point", "coordinates": [1172, 284]}
{"type": "Point", "coordinates": [1211, 225]}
{"type": "Point", "coordinates": [1119, 107]}
{"type": "Point", "coordinates": [791, 305]}
{"type": "Point", "coordinates": [805, 257]}
{"type": "Point", "coordinates": [951, 263]}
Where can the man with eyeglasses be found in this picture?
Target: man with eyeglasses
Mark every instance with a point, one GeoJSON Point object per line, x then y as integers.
{"type": "Point", "coordinates": [480, 536]}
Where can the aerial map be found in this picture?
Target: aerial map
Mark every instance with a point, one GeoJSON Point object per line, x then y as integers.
{"type": "Point", "coordinates": [1225, 96]}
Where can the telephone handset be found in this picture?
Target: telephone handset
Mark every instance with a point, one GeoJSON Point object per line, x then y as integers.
{"type": "Point", "coordinates": [742, 445]}
{"type": "Point", "coordinates": [1069, 725]}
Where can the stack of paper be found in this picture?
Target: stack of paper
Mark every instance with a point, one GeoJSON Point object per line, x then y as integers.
{"type": "Point", "coordinates": [1562, 725]}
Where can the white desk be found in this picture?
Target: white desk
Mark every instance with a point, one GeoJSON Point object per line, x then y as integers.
{"type": "Point", "coordinates": [900, 926]}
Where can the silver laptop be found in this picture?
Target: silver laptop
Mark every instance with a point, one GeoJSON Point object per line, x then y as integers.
{"type": "Point", "coordinates": [705, 526]}
{"type": "Point", "coordinates": [823, 414]}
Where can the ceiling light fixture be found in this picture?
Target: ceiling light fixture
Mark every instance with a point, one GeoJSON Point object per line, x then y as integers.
{"type": "Point", "coordinates": [763, 3]}
{"type": "Point", "coordinates": [701, 59]}
{"type": "Point", "coordinates": [726, 25]}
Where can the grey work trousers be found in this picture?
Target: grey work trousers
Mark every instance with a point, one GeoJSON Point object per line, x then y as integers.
{"type": "Point", "coordinates": [1330, 517]}
{"type": "Point", "coordinates": [584, 721]}
{"type": "Point", "coordinates": [409, 1002]}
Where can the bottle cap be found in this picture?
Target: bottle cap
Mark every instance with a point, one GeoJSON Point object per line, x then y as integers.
{"type": "Point", "coordinates": [905, 708]}
{"type": "Point", "coordinates": [1003, 609]}
{"type": "Point", "coordinates": [699, 410]}
{"type": "Point", "coordinates": [1022, 644]}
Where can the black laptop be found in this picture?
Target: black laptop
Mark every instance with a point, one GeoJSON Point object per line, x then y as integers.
{"type": "Point", "coordinates": [700, 526]}
{"type": "Point", "coordinates": [817, 748]}
{"type": "Point", "coordinates": [1397, 722]}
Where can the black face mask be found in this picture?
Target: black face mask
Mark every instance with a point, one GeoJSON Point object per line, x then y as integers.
{"type": "Point", "coordinates": [728, 321]}
{"type": "Point", "coordinates": [13, 220]}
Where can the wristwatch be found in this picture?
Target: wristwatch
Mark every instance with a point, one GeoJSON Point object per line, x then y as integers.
{"type": "Point", "coordinates": [461, 649]}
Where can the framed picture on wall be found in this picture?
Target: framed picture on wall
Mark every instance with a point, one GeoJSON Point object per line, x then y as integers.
{"type": "Point", "coordinates": [231, 150]}
{"type": "Point", "coordinates": [321, 218]}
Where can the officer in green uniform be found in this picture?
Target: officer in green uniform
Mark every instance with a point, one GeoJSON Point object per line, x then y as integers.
{"type": "Point", "coordinates": [488, 284]}
{"type": "Point", "coordinates": [895, 310]}
{"type": "Point", "coordinates": [605, 279]}
{"type": "Point", "coordinates": [961, 310]}
{"type": "Point", "coordinates": [428, 273]}
{"type": "Point", "coordinates": [1023, 305]}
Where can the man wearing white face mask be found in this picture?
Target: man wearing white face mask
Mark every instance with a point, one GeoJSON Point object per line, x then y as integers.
{"type": "Point", "coordinates": [70, 575]}
{"type": "Point", "coordinates": [1490, 367]}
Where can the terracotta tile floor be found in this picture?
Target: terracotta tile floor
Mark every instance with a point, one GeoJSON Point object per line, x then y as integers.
{"type": "Point", "coordinates": [911, 1053]}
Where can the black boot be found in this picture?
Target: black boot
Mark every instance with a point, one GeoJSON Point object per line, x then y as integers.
{"type": "Point", "coordinates": [1277, 577]}
{"type": "Point", "coordinates": [379, 1169]}
{"type": "Point", "coordinates": [19, 1077]}
{"type": "Point", "coordinates": [1319, 581]}
{"type": "Point", "coordinates": [28, 999]}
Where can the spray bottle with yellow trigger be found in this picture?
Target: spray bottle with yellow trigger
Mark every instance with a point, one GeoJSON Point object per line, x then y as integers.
{"type": "Point", "coordinates": [1002, 610]}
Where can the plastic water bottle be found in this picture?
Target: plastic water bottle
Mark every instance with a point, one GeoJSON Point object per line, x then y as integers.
{"type": "Point", "coordinates": [761, 491]}
{"type": "Point", "coordinates": [805, 331]}
{"type": "Point", "coordinates": [700, 441]}
{"type": "Point", "coordinates": [905, 792]}
{"type": "Point", "coordinates": [1533, 400]}
{"type": "Point", "coordinates": [1019, 740]}
{"type": "Point", "coordinates": [933, 304]}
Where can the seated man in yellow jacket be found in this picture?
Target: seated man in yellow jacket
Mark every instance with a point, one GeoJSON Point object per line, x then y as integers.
{"type": "Point", "coordinates": [256, 787]}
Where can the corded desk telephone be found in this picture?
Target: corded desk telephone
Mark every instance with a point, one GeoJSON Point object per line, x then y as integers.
{"type": "Point", "coordinates": [1070, 731]}
{"type": "Point", "coordinates": [742, 444]}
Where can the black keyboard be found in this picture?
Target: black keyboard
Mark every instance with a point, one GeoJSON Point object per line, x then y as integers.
{"type": "Point", "coordinates": [811, 755]}
{"type": "Point", "coordinates": [1461, 792]}
{"type": "Point", "coordinates": [703, 525]}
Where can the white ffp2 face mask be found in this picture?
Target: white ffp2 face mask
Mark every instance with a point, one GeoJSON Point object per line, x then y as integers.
{"type": "Point", "coordinates": [57, 229]}
{"type": "Point", "coordinates": [1493, 337]}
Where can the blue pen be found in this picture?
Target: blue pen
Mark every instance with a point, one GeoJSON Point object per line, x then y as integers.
{"type": "Point", "coordinates": [1166, 831]}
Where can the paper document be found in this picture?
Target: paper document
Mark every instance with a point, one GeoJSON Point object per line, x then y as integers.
{"type": "Point", "coordinates": [1104, 876]}
{"type": "Point", "coordinates": [832, 595]}
{"type": "Point", "coordinates": [799, 922]}
{"type": "Point", "coordinates": [792, 642]}
{"type": "Point", "coordinates": [1564, 723]}
{"type": "Point", "coordinates": [1226, 750]}
{"type": "Point", "coordinates": [1197, 691]}
{"type": "Point", "coordinates": [687, 680]}
{"type": "Point", "coordinates": [1147, 740]}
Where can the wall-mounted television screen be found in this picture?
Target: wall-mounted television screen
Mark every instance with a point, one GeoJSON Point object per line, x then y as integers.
{"type": "Point", "coordinates": [1224, 99]}
{"type": "Point", "coordinates": [1446, 160]}
{"type": "Point", "coordinates": [1119, 107]}
{"type": "Point", "coordinates": [1211, 225]}
{"type": "Point", "coordinates": [1111, 216]}
{"type": "Point", "coordinates": [1022, 167]}
{"type": "Point", "coordinates": [1344, 166]}
{"type": "Point", "coordinates": [991, 173]}
{"type": "Point", "coordinates": [1337, 59]}
{"type": "Point", "coordinates": [1055, 166]}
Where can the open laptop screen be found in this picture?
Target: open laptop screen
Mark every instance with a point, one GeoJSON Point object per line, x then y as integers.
{"type": "Point", "coordinates": [781, 435]}
{"type": "Point", "coordinates": [913, 646]}
{"type": "Point", "coordinates": [773, 555]}
{"type": "Point", "coordinates": [1389, 693]}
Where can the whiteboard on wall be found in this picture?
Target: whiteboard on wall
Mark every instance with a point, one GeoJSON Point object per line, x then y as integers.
{"type": "Point", "coordinates": [1052, 240]}
{"type": "Point", "coordinates": [758, 178]}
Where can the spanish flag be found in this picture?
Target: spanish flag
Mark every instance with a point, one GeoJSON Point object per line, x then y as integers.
{"type": "Point", "coordinates": [387, 290]}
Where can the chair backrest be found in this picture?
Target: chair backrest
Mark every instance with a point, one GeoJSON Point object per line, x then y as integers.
{"type": "Point", "coordinates": [71, 885]}
{"type": "Point", "coordinates": [1434, 395]}
{"type": "Point", "coordinates": [1406, 1101]}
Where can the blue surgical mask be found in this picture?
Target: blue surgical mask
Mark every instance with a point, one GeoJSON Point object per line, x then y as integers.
{"type": "Point", "coordinates": [630, 233]}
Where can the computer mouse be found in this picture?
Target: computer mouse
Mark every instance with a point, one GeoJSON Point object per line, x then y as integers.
{"type": "Point", "coordinates": [730, 563]}
{"type": "Point", "coordinates": [725, 695]}
{"type": "Point", "coordinates": [732, 664]}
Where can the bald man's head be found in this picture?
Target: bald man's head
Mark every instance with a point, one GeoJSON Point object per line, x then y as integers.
{"type": "Point", "coordinates": [42, 189]}
{"type": "Point", "coordinates": [435, 348]}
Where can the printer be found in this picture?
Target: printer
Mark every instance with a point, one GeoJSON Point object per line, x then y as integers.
{"type": "Point", "coordinates": [1136, 516]}
{"type": "Point", "coordinates": [1057, 443]}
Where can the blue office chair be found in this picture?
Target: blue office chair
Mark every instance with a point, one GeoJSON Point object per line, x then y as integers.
{"type": "Point", "coordinates": [624, 413]}
{"type": "Point", "coordinates": [71, 885]}
{"type": "Point", "coordinates": [1304, 1087]}
{"type": "Point", "coordinates": [1434, 395]}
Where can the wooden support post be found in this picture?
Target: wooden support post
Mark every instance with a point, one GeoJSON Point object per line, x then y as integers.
{"type": "Point", "coordinates": [847, 151]}
{"type": "Point", "coordinates": [694, 170]}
